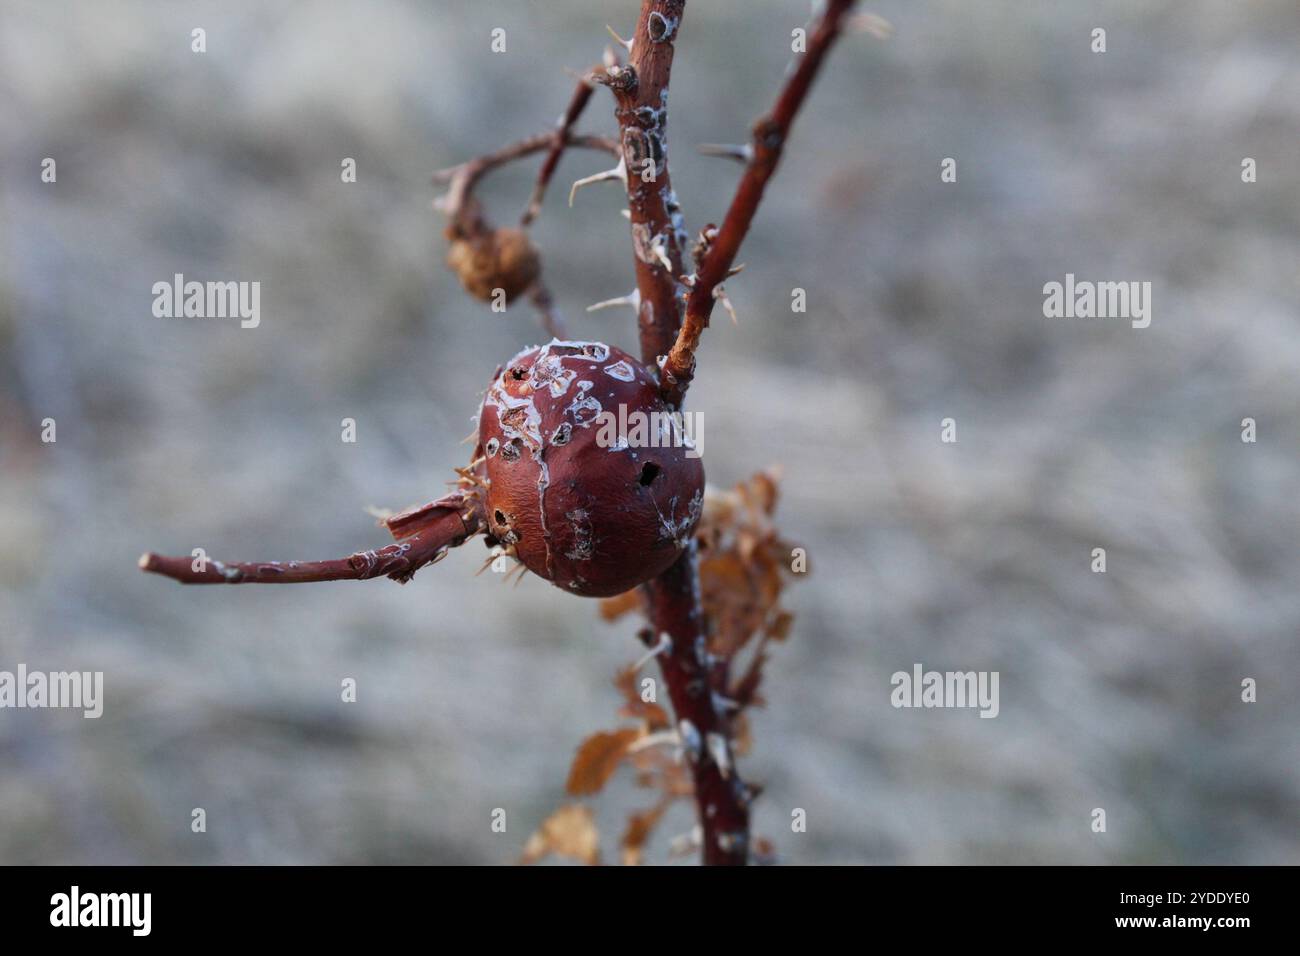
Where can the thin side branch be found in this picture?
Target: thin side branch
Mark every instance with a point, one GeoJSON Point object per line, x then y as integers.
{"type": "Point", "coordinates": [559, 141]}
{"type": "Point", "coordinates": [425, 535]}
{"type": "Point", "coordinates": [462, 178]}
{"type": "Point", "coordinates": [552, 321]}
{"type": "Point", "coordinates": [673, 599]}
{"type": "Point", "coordinates": [465, 217]}
{"type": "Point", "coordinates": [720, 246]}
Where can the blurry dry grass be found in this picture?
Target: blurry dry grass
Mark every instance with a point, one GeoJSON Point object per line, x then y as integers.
{"type": "Point", "coordinates": [1118, 691]}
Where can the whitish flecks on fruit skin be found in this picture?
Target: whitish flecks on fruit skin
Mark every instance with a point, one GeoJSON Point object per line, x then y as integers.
{"type": "Point", "coordinates": [593, 519]}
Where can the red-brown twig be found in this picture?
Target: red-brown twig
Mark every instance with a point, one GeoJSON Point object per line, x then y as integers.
{"type": "Point", "coordinates": [696, 679]}
{"type": "Point", "coordinates": [673, 599]}
{"type": "Point", "coordinates": [552, 321]}
{"type": "Point", "coordinates": [463, 177]}
{"type": "Point", "coordinates": [465, 217]}
{"type": "Point", "coordinates": [695, 682]}
{"type": "Point", "coordinates": [658, 235]}
{"type": "Point", "coordinates": [425, 535]}
{"type": "Point", "coordinates": [721, 245]}
{"type": "Point", "coordinates": [559, 141]}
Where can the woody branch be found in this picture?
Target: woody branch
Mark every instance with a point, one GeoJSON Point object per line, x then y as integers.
{"type": "Point", "coordinates": [465, 216]}
{"type": "Point", "coordinates": [458, 204]}
{"type": "Point", "coordinates": [560, 139]}
{"type": "Point", "coordinates": [658, 237]}
{"type": "Point", "coordinates": [694, 678]}
{"type": "Point", "coordinates": [720, 246]}
{"type": "Point", "coordinates": [424, 534]}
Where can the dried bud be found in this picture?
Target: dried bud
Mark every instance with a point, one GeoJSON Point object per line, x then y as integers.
{"type": "Point", "coordinates": [500, 259]}
{"type": "Point", "coordinates": [583, 500]}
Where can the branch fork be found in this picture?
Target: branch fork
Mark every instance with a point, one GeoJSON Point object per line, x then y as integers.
{"type": "Point", "coordinates": [673, 307]}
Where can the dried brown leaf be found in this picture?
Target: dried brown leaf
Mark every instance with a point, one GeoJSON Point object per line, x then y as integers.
{"type": "Point", "coordinates": [597, 758]}
{"type": "Point", "coordinates": [612, 608]}
{"type": "Point", "coordinates": [778, 629]}
{"type": "Point", "coordinates": [649, 711]}
{"type": "Point", "coordinates": [645, 778]}
{"type": "Point", "coordinates": [570, 831]}
{"type": "Point", "coordinates": [656, 717]}
{"type": "Point", "coordinates": [745, 693]}
{"type": "Point", "coordinates": [639, 827]}
{"type": "Point", "coordinates": [742, 735]}
{"type": "Point", "coordinates": [764, 488]}
{"type": "Point", "coordinates": [743, 568]}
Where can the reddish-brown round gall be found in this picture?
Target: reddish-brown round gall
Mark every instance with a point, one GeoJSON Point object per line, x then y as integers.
{"type": "Point", "coordinates": [591, 480]}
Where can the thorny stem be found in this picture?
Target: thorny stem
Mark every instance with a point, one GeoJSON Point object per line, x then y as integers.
{"type": "Point", "coordinates": [673, 599]}
{"type": "Point", "coordinates": [696, 679]}
{"type": "Point", "coordinates": [770, 134]}
{"type": "Point", "coordinates": [641, 108]}
{"type": "Point", "coordinates": [424, 536]}
{"type": "Point", "coordinates": [693, 677]}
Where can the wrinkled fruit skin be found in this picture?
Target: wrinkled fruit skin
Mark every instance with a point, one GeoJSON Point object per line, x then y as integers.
{"type": "Point", "coordinates": [503, 259]}
{"type": "Point", "coordinates": [581, 507]}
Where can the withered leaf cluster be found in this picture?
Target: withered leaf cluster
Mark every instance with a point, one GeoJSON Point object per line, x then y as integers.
{"type": "Point", "coordinates": [744, 567]}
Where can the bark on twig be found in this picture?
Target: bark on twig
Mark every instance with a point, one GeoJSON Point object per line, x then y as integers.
{"type": "Point", "coordinates": [559, 141]}
{"type": "Point", "coordinates": [696, 679]}
{"type": "Point", "coordinates": [425, 535]}
{"type": "Point", "coordinates": [658, 233]}
{"type": "Point", "coordinates": [721, 245]}
{"type": "Point", "coordinates": [463, 177]}
{"type": "Point", "coordinates": [673, 599]}
{"type": "Point", "coordinates": [465, 217]}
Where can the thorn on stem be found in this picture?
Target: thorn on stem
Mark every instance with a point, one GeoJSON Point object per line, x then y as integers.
{"type": "Point", "coordinates": [741, 154]}
{"type": "Point", "coordinates": [723, 704]}
{"type": "Point", "coordinates": [619, 172]}
{"type": "Point", "coordinates": [626, 44]}
{"type": "Point", "coordinates": [721, 295]}
{"type": "Point", "coordinates": [657, 247]}
{"type": "Point", "coordinates": [633, 299]}
{"type": "Point", "coordinates": [690, 739]}
{"type": "Point", "coordinates": [665, 644]}
{"type": "Point", "coordinates": [685, 843]}
{"type": "Point", "coordinates": [720, 753]}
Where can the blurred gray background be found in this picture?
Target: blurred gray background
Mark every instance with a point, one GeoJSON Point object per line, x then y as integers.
{"type": "Point", "coordinates": [1119, 691]}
